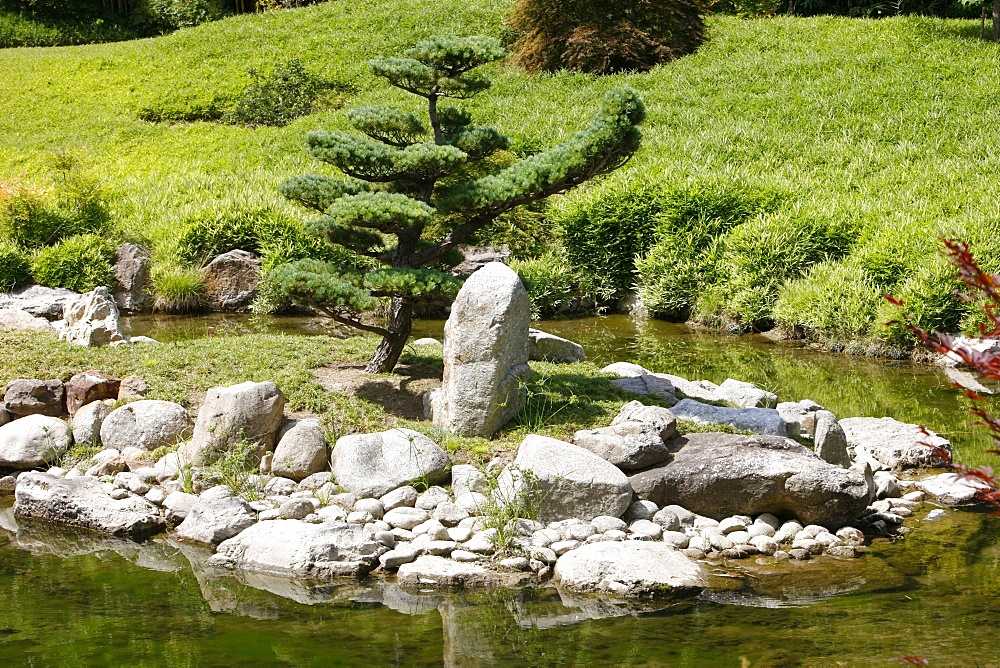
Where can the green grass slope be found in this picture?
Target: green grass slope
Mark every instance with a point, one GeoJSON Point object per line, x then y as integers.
{"type": "Point", "coordinates": [888, 127]}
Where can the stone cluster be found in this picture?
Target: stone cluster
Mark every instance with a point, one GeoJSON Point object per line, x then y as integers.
{"type": "Point", "coordinates": [632, 509]}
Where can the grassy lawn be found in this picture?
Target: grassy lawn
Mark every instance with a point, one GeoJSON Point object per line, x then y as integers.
{"type": "Point", "coordinates": [886, 127]}
{"type": "Point", "coordinates": [562, 398]}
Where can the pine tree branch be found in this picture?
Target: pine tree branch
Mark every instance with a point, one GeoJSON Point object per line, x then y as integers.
{"type": "Point", "coordinates": [486, 216]}
{"type": "Point", "coordinates": [350, 322]}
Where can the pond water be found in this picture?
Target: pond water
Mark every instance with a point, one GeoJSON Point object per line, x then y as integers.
{"type": "Point", "coordinates": [77, 600]}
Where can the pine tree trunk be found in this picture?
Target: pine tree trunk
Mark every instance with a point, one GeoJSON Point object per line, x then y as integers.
{"type": "Point", "coordinates": [996, 20]}
{"type": "Point", "coordinates": [400, 323]}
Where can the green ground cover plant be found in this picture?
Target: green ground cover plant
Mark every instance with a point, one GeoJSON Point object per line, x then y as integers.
{"type": "Point", "coordinates": [847, 119]}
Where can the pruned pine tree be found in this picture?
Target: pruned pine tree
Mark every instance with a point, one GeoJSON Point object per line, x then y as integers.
{"type": "Point", "coordinates": [417, 187]}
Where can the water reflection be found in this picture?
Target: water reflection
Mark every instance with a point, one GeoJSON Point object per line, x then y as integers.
{"type": "Point", "coordinates": [929, 594]}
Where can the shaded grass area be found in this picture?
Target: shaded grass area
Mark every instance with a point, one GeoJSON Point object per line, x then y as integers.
{"type": "Point", "coordinates": [20, 29]}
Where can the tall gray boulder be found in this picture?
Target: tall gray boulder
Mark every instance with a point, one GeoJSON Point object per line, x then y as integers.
{"type": "Point", "coordinates": [245, 412]}
{"type": "Point", "coordinates": [133, 279]}
{"type": "Point", "coordinates": [485, 354]}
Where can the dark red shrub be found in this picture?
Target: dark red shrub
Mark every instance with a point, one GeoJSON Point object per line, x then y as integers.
{"type": "Point", "coordinates": [606, 36]}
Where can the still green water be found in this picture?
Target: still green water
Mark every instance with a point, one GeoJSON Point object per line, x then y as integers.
{"type": "Point", "coordinates": [67, 600]}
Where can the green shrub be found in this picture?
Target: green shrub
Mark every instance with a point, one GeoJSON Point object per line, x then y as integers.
{"type": "Point", "coordinates": [273, 235]}
{"type": "Point", "coordinates": [605, 37]}
{"type": "Point", "coordinates": [278, 98]}
{"type": "Point", "coordinates": [177, 289]}
{"type": "Point", "coordinates": [211, 233]}
{"type": "Point", "coordinates": [79, 263]}
{"type": "Point", "coordinates": [760, 256]}
{"type": "Point", "coordinates": [172, 14]}
{"type": "Point", "coordinates": [673, 272]}
{"type": "Point", "coordinates": [178, 108]}
{"type": "Point", "coordinates": [835, 299]}
{"type": "Point", "coordinates": [690, 229]}
{"type": "Point", "coordinates": [606, 229]}
{"type": "Point", "coordinates": [552, 284]}
{"type": "Point", "coordinates": [33, 217]}
{"type": "Point", "coordinates": [929, 301]}
{"type": "Point", "coordinates": [15, 269]}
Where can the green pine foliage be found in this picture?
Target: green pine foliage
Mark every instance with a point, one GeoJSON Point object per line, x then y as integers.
{"type": "Point", "coordinates": [415, 187]}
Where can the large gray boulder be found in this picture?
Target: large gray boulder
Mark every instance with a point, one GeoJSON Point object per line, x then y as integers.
{"type": "Point", "coordinates": [630, 568]}
{"type": "Point", "coordinates": [231, 280]}
{"type": "Point", "coordinates": [895, 444]}
{"type": "Point", "coordinates": [22, 320]}
{"type": "Point", "coordinates": [301, 450]}
{"type": "Point", "coordinates": [301, 549]}
{"type": "Point", "coordinates": [35, 397]}
{"type": "Point", "coordinates": [245, 412]}
{"type": "Point", "coordinates": [720, 475]}
{"type": "Point", "coordinates": [92, 319]}
{"type": "Point", "coordinates": [628, 444]}
{"type": "Point", "coordinates": [659, 417]}
{"type": "Point", "coordinates": [485, 354]}
{"type": "Point", "coordinates": [758, 420]}
{"type": "Point", "coordinates": [214, 520]}
{"type": "Point", "coordinates": [82, 503]}
{"type": "Point", "coordinates": [146, 424]}
{"type": "Point", "coordinates": [33, 441]}
{"type": "Point", "coordinates": [545, 347]}
{"type": "Point", "coordinates": [746, 395]}
{"type": "Point", "coordinates": [38, 300]}
{"type": "Point", "coordinates": [370, 465]}
{"type": "Point", "coordinates": [565, 480]}
{"type": "Point", "coordinates": [133, 279]}
{"type": "Point", "coordinates": [799, 417]}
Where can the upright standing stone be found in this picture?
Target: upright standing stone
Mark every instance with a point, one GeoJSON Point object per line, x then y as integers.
{"type": "Point", "coordinates": [92, 320]}
{"type": "Point", "coordinates": [132, 278]}
{"type": "Point", "coordinates": [831, 442]}
{"type": "Point", "coordinates": [485, 354]}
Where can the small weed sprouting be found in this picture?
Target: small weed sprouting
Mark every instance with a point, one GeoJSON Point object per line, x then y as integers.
{"type": "Point", "coordinates": [79, 455]}
{"type": "Point", "coordinates": [512, 494]}
{"type": "Point", "coordinates": [237, 470]}
{"type": "Point", "coordinates": [185, 475]}
{"type": "Point", "coordinates": [539, 407]}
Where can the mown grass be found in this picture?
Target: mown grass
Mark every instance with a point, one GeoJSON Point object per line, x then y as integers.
{"type": "Point", "coordinates": [561, 399]}
{"type": "Point", "coordinates": [884, 127]}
